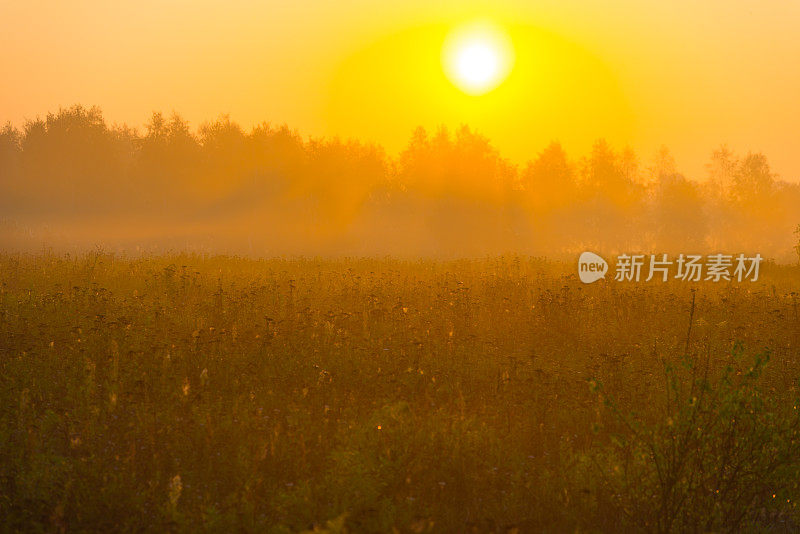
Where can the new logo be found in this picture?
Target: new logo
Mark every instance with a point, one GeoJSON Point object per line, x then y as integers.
{"type": "Point", "coordinates": [591, 267]}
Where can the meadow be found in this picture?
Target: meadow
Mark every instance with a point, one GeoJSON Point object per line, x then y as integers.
{"type": "Point", "coordinates": [195, 393]}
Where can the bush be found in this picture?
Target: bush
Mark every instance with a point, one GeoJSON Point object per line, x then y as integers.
{"type": "Point", "coordinates": [723, 456]}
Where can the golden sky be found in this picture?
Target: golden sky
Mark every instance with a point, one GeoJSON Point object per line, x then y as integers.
{"type": "Point", "coordinates": [686, 74]}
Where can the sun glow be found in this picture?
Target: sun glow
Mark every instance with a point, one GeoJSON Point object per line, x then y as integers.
{"type": "Point", "coordinates": [477, 58]}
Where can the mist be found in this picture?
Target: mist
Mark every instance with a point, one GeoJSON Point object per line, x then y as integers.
{"type": "Point", "coordinates": [70, 182]}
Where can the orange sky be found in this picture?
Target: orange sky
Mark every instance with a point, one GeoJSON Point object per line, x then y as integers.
{"type": "Point", "coordinates": [687, 74]}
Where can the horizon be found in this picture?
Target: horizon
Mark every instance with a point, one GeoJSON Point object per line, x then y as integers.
{"type": "Point", "coordinates": [691, 83]}
{"type": "Point", "coordinates": [644, 162]}
{"type": "Point", "coordinates": [72, 182]}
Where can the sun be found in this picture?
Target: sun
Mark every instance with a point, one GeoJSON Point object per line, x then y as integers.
{"type": "Point", "coordinates": [477, 57]}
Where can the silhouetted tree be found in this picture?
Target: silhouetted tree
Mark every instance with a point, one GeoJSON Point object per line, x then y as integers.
{"type": "Point", "coordinates": [679, 221]}
{"type": "Point", "coordinates": [550, 180]}
{"type": "Point", "coordinates": [448, 192]}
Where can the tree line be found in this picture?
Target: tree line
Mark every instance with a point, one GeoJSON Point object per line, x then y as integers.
{"type": "Point", "coordinates": [271, 191]}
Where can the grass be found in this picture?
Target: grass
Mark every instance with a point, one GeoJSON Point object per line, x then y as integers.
{"type": "Point", "coordinates": [187, 393]}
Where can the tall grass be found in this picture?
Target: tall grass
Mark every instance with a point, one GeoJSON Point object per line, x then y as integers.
{"type": "Point", "coordinates": [186, 393]}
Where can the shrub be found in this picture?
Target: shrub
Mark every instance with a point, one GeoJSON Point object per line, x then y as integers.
{"type": "Point", "coordinates": [723, 456]}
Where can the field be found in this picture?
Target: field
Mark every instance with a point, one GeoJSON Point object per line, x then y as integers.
{"type": "Point", "coordinates": [188, 393]}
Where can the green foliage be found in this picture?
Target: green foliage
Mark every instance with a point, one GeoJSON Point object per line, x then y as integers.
{"type": "Point", "coordinates": [720, 454]}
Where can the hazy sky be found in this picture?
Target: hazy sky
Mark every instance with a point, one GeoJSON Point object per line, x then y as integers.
{"type": "Point", "coordinates": [688, 74]}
